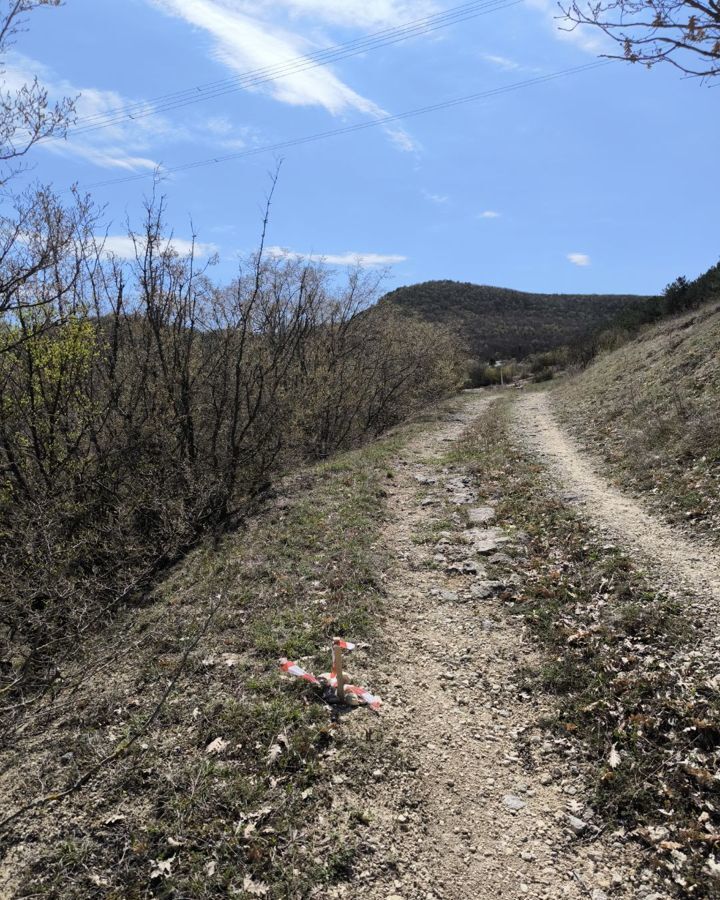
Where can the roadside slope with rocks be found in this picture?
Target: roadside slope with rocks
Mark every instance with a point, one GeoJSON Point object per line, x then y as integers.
{"type": "Point", "coordinates": [677, 562]}
{"type": "Point", "coordinates": [628, 608]}
{"type": "Point", "coordinates": [650, 412]}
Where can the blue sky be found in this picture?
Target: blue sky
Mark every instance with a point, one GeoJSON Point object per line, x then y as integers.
{"type": "Point", "coordinates": [600, 181]}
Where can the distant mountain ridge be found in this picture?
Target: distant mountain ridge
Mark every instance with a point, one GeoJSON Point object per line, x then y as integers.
{"type": "Point", "coordinates": [498, 322]}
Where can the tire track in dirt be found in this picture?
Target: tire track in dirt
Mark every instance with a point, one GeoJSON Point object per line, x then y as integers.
{"type": "Point", "coordinates": [483, 811]}
{"type": "Point", "coordinates": [674, 562]}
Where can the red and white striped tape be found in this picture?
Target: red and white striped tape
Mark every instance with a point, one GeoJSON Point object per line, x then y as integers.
{"type": "Point", "coordinates": [364, 695]}
{"type": "Point", "coordinates": [292, 668]}
{"type": "Point", "coordinates": [344, 645]}
{"type": "Point", "coordinates": [330, 678]}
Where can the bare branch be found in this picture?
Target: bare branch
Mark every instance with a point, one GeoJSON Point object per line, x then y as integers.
{"type": "Point", "coordinates": [683, 33]}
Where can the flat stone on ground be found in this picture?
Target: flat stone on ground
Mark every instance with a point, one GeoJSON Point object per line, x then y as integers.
{"type": "Point", "coordinates": [480, 515]}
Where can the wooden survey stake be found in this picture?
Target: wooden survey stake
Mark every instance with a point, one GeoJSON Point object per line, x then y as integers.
{"type": "Point", "coordinates": [337, 671]}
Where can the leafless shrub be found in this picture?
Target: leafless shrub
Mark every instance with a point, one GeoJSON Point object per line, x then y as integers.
{"type": "Point", "coordinates": [156, 407]}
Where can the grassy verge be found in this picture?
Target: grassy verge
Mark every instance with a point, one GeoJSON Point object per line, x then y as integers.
{"type": "Point", "coordinates": [229, 792]}
{"type": "Point", "coordinates": [651, 412]}
{"type": "Point", "coordinates": [638, 697]}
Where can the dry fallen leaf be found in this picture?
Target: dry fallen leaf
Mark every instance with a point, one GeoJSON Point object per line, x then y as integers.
{"type": "Point", "coordinates": [161, 868]}
{"type": "Point", "coordinates": [217, 746]}
{"type": "Point", "coordinates": [256, 888]}
{"type": "Point", "coordinates": [114, 819]}
{"type": "Point", "coordinates": [273, 753]}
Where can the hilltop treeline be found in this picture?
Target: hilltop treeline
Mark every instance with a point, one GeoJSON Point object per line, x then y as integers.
{"type": "Point", "coordinates": [682, 294]}
{"type": "Point", "coordinates": [501, 323]}
{"type": "Point", "coordinates": [142, 406]}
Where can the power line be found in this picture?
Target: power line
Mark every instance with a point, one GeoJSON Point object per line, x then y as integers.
{"type": "Point", "coordinates": [448, 17]}
{"type": "Point", "coordinates": [361, 126]}
{"type": "Point", "coordinates": [252, 78]}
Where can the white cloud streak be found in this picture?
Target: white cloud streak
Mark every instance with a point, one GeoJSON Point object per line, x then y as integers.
{"type": "Point", "coordinates": [125, 147]}
{"type": "Point", "coordinates": [130, 145]}
{"type": "Point", "coordinates": [489, 214]}
{"type": "Point", "coordinates": [579, 259]}
{"type": "Point", "coordinates": [350, 258]}
{"type": "Point", "coordinates": [243, 41]}
{"type": "Point", "coordinates": [355, 13]}
{"type": "Point", "coordinates": [587, 38]}
{"type": "Point", "coordinates": [124, 247]}
{"type": "Point", "coordinates": [502, 62]}
{"type": "Point", "coordinates": [436, 198]}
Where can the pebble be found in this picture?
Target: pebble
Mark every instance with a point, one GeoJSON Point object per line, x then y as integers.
{"type": "Point", "coordinates": [483, 589]}
{"type": "Point", "coordinates": [577, 825]}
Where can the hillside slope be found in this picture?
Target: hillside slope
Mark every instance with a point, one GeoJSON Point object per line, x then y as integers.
{"type": "Point", "coordinates": [652, 410]}
{"type": "Point", "coordinates": [499, 322]}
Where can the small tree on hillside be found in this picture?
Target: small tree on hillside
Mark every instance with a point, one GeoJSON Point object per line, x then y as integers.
{"type": "Point", "coordinates": [684, 33]}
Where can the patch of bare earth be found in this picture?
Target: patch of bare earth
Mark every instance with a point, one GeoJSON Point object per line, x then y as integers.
{"type": "Point", "coordinates": [487, 804]}
{"type": "Point", "coordinates": [675, 563]}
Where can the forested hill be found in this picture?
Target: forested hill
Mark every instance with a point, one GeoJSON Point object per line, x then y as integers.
{"type": "Point", "coordinates": [499, 322]}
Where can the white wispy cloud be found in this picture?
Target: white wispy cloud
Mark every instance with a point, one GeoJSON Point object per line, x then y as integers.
{"type": "Point", "coordinates": [244, 43]}
{"type": "Point", "coordinates": [354, 13]}
{"type": "Point", "coordinates": [401, 139]}
{"type": "Point", "coordinates": [124, 247]}
{"type": "Point", "coordinates": [108, 158]}
{"type": "Point", "coordinates": [349, 258]}
{"type": "Point", "coordinates": [587, 38]}
{"type": "Point", "coordinates": [579, 259]}
{"type": "Point", "coordinates": [248, 37]}
{"type": "Point", "coordinates": [124, 146]}
{"type": "Point", "coordinates": [129, 144]}
{"type": "Point", "coordinates": [489, 214]}
{"type": "Point", "coordinates": [502, 62]}
{"type": "Point", "coordinates": [435, 198]}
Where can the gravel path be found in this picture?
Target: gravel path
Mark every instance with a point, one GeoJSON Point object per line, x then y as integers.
{"type": "Point", "coordinates": [674, 562]}
{"type": "Point", "coordinates": [486, 809]}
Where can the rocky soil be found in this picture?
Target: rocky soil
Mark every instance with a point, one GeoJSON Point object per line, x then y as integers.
{"type": "Point", "coordinates": [483, 803]}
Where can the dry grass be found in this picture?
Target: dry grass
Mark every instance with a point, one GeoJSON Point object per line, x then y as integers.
{"type": "Point", "coordinates": [651, 410]}
{"type": "Point", "coordinates": [639, 703]}
{"type": "Point", "coordinates": [169, 818]}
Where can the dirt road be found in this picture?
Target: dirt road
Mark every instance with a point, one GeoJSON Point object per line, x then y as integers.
{"type": "Point", "coordinates": [485, 811]}
{"type": "Point", "coordinates": [674, 563]}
